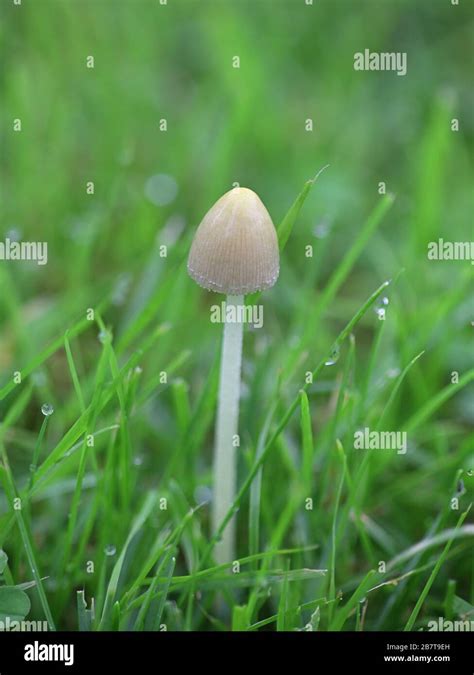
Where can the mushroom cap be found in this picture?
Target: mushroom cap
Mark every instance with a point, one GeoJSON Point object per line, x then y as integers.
{"type": "Point", "coordinates": [235, 248]}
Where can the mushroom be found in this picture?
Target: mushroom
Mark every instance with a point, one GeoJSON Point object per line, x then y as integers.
{"type": "Point", "coordinates": [234, 251]}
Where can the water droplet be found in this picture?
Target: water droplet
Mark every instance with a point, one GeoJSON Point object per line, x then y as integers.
{"type": "Point", "coordinates": [333, 356]}
{"type": "Point", "coordinates": [380, 307]}
{"type": "Point", "coordinates": [47, 409]}
{"type": "Point", "coordinates": [322, 229]}
{"type": "Point", "coordinates": [460, 487]}
{"type": "Point", "coordinates": [470, 472]}
{"type": "Point", "coordinates": [202, 494]}
{"type": "Point", "coordinates": [110, 550]}
{"type": "Point", "coordinates": [161, 189]}
{"type": "Point", "coordinates": [33, 468]}
{"type": "Point", "coordinates": [137, 461]}
{"type": "Point", "coordinates": [104, 336]}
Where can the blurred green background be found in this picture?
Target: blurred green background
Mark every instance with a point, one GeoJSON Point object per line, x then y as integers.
{"type": "Point", "coordinates": [174, 62]}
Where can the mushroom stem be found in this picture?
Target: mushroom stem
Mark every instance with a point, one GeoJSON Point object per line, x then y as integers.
{"type": "Point", "coordinates": [226, 429]}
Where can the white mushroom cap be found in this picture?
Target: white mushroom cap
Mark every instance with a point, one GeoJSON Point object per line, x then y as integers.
{"type": "Point", "coordinates": [235, 248]}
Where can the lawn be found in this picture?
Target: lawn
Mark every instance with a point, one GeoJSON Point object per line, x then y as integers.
{"type": "Point", "coordinates": [122, 123]}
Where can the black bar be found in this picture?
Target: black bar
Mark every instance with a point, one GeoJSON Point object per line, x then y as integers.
{"type": "Point", "coordinates": [421, 652]}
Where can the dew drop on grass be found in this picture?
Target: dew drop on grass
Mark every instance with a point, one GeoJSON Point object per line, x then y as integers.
{"type": "Point", "coordinates": [322, 229]}
{"type": "Point", "coordinates": [202, 494]}
{"type": "Point", "coordinates": [104, 336]}
{"type": "Point", "coordinates": [381, 307]}
{"type": "Point", "coordinates": [110, 550]}
{"type": "Point", "coordinates": [333, 357]}
{"type": "Point", "coordinates": [470, 472]}
{"type": "Point", "coordinates": [47, 409]}
{"type": "Point", "coordinates": [137, 461]}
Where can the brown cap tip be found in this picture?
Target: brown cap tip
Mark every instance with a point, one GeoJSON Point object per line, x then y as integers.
{"type": "Point", "coordinates": [235, 248]}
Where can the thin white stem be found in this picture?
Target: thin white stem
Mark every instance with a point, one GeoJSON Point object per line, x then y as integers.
{"type": "Point", "coordinates": [225, 460]}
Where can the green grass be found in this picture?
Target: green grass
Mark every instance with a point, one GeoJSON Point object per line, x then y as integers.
{"type": "Point", "coordinates": [114, 487]}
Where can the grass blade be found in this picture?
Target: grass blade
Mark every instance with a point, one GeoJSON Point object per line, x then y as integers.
{"type": "Point", "coordinates": [416, 610]}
